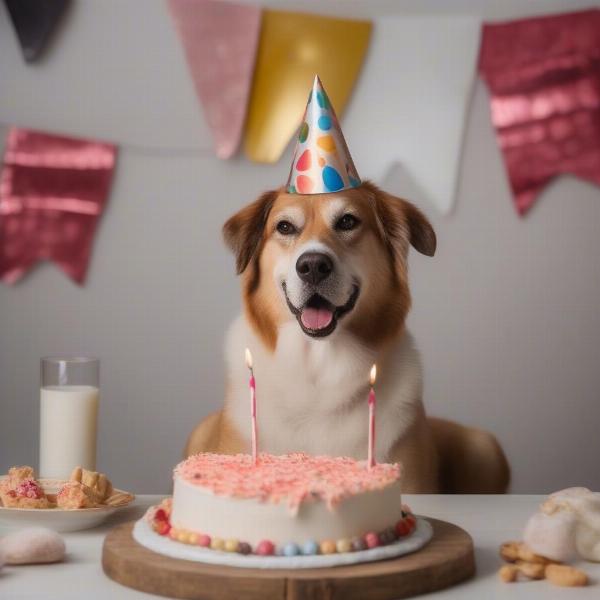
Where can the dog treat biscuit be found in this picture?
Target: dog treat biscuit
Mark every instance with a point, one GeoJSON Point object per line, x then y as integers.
{"type": "Point", "coordinates": [566, 576]}
{"type": "Point", "coordinates": [18, 474]}
{"type": "Point", "coordinates": [526, 555]}
{"type": "Point", "coordinates": [21, 490]}
{"type": "Point", "coordinates": [12, 500]}
{"type": "Point", "coordinates": [508, 573]}
{"type": "Point", "coordinates": [98, 482]}
{"type": "Point", "coordinates": [76, 495]}
{"type": "Point", "coordinates": [518, 551]}
{"type": "Point", "coordinates": [531, 570]}
{"type": "Point", "coordinates": [84, 489]}
{"type": "Point", "coordinates": [509, 551]}
{"type": "Point", "coordinates": [119, 499]}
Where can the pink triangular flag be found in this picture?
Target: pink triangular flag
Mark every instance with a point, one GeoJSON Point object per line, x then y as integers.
{"type": "Point", "coordinates": [53, 190]}
{"type": "Point", "coordinates": [220, 40]}
{"type": "Point", "coordinates": [544, 82]}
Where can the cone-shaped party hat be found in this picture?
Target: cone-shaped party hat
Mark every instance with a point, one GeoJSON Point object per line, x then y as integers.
{"type": "Point", "coordinates": [322, 161]}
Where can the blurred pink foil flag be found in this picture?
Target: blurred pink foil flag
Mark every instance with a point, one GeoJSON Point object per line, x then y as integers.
{"type": "Point", "coordinates": [220, 40]}
{"type": "Point", "coordinates": [52, 192]}
{"type": "Point", "coordinates": [544, 80]}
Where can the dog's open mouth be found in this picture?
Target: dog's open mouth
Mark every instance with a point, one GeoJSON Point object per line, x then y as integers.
{"type": "Point", "coordinates": [318, 317]}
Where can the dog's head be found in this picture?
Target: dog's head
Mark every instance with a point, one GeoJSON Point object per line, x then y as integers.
{"type": "Point", "coordinates": [328, 261]}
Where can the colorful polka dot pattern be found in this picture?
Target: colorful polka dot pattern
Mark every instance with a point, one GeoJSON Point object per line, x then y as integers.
{"type": "Point", "coordinates": [322, 161]}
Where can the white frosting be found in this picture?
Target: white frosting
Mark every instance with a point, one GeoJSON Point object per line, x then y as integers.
{"type": "Point", "coordinates": [250, 520]}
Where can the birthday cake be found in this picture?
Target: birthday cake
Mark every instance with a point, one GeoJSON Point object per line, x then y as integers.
{"type": "Point", "coordinates": [289, 504]}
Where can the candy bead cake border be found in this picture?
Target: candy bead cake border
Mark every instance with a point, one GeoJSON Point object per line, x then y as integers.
{"type": "Point", "coordinates": [154, 532]}
{"type": "Point", "coordinates": [159, 519]}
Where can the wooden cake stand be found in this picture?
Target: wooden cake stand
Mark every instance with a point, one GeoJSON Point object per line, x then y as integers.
{"type": "Point", "coordinates": [446, 560]}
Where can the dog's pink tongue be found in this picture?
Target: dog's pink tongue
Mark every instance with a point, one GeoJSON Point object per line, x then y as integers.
{"type": "Point", "coordinates": [316, 318]}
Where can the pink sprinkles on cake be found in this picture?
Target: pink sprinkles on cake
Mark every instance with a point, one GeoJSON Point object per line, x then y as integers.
{"type": "Point", "coordinates": [293, 478]}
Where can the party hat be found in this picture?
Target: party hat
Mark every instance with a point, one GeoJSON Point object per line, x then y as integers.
{"type": "Point", "coordinates": [322, 161]}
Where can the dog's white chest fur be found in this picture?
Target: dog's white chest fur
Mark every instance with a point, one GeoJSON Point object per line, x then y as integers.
{"type": "Point", "coordinates": [312, 394]}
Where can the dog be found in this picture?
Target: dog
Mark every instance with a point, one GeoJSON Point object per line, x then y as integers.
{"type": "Point", "coordinates": [326, 294]}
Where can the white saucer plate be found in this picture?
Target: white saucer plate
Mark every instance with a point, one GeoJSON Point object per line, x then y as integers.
{"type": "Point", "coordinates": [57, 519]}
{"type": "Point", "coordinates": [144, 534]}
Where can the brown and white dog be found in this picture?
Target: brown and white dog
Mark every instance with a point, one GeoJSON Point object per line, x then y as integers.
{"type": "Point", "coordinates": [325, 293]}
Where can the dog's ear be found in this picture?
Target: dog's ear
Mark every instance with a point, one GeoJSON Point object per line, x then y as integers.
{"type": "Point", "coordinates": [400, 220]}
{"type": "Point", "coordinates": [244, 230]}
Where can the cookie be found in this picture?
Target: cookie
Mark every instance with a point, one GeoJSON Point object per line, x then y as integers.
{"type": "Point", "coordinates": [27, 493]}
{"type": "Point", "coordinates": [15, 476]}
{"type": "Point", "coordinates": [531, 570]}
{"type": "Point", "coordinates": [119, 499]}
{"type": "Point", "coordinates": [566, 576]}
{"type": "Point", "coordinates": [98, 482]}
{"type": "Point", "coordinates": [75, 495]}
{"type": "Point", "coordinates": [18, 474]}
{"type": "Point", "coordinates": [508, 573]}
{"type": "Point", "coordinates": [12, 500]}
{"type": "Point", "coordinates": [509, 551]}
{"type": "Point", "coordinates": [518, 551]}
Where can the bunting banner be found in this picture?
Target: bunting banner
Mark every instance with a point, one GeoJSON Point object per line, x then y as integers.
{"type": "Point", "coordinates": [405, 121]}
{"type": "Point", "coordinates": [52, 192]}
{"type": "Point", "coordinates": [293, 48]}
{"type": "Point", "coordinates": [220, 40]}
{"type": "Point", "coordinates": [34, 22]}
{"type": "Point", "coordinates": [424, 68]}
{"type": "Point", "coordinates": [543, 75]}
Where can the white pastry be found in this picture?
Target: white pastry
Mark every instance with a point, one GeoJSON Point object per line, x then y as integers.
{"type": "Point", "coordinates": [569, 520]}
{"type": "Point", "coordinates": [552, 536]}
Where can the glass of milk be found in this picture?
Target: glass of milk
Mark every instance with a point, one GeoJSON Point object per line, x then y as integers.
{"type": "Point", "coordinates": [68, 415]}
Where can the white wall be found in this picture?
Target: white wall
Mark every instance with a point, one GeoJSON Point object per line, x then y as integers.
{"type": "Point", "coordinates": [506, 314]}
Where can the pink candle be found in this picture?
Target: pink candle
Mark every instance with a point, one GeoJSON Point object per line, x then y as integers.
{"type": "Point", "coordinates": [371, 457]}
{"type": "Point", "coordinates": [252, 405]}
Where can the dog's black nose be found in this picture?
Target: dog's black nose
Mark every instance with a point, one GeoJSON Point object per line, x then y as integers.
{"type": "Point", "coordinates": [313, 267]}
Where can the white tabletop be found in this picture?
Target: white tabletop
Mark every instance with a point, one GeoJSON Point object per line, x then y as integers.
{"type": "Point", "coordinates": [490, 520]}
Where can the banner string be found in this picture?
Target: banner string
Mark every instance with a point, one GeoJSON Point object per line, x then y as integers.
{"type": "Point", "coordinates": [139, 149]}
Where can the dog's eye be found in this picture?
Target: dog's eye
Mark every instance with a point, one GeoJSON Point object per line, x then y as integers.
{"type": "Point", "coordinates": [286, 228]}
{"type": "Point", "coordinates": [347, 222]}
